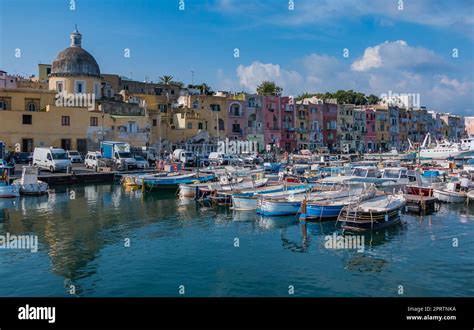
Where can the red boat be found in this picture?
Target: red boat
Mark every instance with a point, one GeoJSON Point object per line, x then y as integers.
{"type": "Point", "coordinates": [419, 190]}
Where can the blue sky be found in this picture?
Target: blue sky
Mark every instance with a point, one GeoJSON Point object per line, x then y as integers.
{"type": "Point", "coordinates": [405, 51]}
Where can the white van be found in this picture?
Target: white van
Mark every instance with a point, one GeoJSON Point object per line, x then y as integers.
{"type": "Point", "coordinates": [218, 158]}
{"type": "Point", "coordinates": [92, 159]}
{"type": "Point", "coordinates": [52, 159]}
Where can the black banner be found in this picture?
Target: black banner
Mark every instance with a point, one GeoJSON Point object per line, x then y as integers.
{"type": "Point", "coordinates": [136, 313]}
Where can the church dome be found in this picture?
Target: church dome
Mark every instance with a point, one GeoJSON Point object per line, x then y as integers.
{"type": "Point", "coordinates": [75, 61]}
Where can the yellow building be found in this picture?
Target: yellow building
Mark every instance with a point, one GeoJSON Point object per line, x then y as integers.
{"type": "Point", "coordinates": [72, 114]}
{"type": "Point", "coordinates": [382, 127]}
{"type": "Point", "coordinates": [195, 114]}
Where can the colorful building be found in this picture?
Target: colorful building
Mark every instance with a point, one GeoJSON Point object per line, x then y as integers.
{"type": "Point", "coordinates": [371, 131]}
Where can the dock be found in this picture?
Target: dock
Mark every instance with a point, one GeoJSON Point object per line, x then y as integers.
{"type": "Point", "coordinates": [420, 204]}
{"type": "Point", "coordinates": [81, 177]}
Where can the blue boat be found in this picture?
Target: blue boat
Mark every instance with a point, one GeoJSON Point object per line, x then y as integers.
{"type": "Point", "coordinates": [173, 181]}
{"type": "Point", "coordinates": [329, 209]}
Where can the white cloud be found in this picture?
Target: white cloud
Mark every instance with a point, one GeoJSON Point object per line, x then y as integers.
{"type": "Point", "coordinates": [252, 75]}
{"type": "Point", "coordinates": [398, 55]}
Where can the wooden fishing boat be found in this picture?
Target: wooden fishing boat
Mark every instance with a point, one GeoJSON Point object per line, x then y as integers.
{"type": "Point", "coordinates": [450, 194]}
{"type": "Point", "coordinates": [247, 200]}
{"type": "Point", "coordinates": [378, 212]}
{"type": "Point", "coordinates": [329, 209]}
{"type": "Point", "coordinates": [291, 204]}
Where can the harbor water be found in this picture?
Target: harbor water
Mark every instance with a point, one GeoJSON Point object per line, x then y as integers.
{"type": "Point", "coordinates": [104, 241]}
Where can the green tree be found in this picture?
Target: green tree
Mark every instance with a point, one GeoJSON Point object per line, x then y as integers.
{"type": "Point", "coordinates": [268, 88]}
{"type": "Point", "coordinates": [167, 80]}
{"type": "Point", "coordinates": [372, 99]}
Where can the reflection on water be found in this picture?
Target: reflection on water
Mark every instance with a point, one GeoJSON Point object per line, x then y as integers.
{"type": "Point", "coordinates": [81, 233]}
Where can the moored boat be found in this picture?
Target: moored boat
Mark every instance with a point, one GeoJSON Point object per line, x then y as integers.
{"type": "Point", "coordinates": [291, 204]}
{"type": "Point", "coordinates": [470, 195]}
{"type": "Point", "coordinates": [248, 200]}
{"type": "Point", "coordinates": [29, 184]}
{"type": "Point", "coordinates": [450, 194]}
{"type": "Point", "coordinates": [330, 209]}
{"type": "Point", "coordinates": [375, 213]}
{"type": "Point", "coordinates": [7, 190]}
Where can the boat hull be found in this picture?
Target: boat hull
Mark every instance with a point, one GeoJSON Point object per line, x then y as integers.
{"type": "Point", "coordinates": [9, 192]}
{"type": "Point", "coordinates": [420, 191]}
{"type": "Point", "coordinates": [362, 220]}
{"type": "Point", "coordinates": [38, 189]}
{"type": "Point", "coordinates": [323, 212]}
{"type": "Point", "coordinates": [277, 208]}
{"type": "Point", "coordinates": [449, 196]}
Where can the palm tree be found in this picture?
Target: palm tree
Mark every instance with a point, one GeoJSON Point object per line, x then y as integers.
{"type": "Point", "coordinates": [167, 80]}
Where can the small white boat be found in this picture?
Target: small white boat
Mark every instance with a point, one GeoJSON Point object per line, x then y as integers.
{"type": "Point", "coordinates": [245, 201]}
{"type": "Point", "coordinates": [470, 195]}
{"type": "Point", "coordinates": [29, 184]}
{"type": "Point", "coordinates": [6, 189]}
{"type": "Point", "coordinates": [450, 194]}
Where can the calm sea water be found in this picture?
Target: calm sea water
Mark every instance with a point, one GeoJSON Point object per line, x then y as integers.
{"type": "Point", "coordinates": [82, 233]}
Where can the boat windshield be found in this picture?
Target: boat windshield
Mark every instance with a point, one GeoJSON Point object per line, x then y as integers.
{"type": "Point", "coordinates": [362, 172]}
{"type": "Point", "coordinates": [59, 155]}
{"type": "Point", "coordinates": [73, 153]}
{"type": "Point", "coordinates": [391, 174]}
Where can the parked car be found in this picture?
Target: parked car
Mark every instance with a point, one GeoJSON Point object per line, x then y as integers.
{"type": "Point", "coordinates": [92, 159]}
{"type": "Point", "coordinates": [141, 162]}
{"type": "Point", "coordinates": [74, 156]}
{"type": "Point", "coordinates": [23, 157]}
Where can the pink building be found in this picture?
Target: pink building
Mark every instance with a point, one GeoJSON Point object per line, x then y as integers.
{"type": "Point", "coordinates": [371, 135]}
{"type": "Point", "coordinates": [330, 125]}
{"type": "Point", "coordinates": [287, 115]}
{"type": "Point", "coordinates": [237, 120]}
{"type": "Point", "coordinates": [272, 120]}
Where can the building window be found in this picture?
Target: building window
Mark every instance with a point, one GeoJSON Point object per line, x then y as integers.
{"type": "Point", "coordinates": [235, 128]}
{"type": "Point", "coordinates": [97, 91]}
{"type": "Point", "coordinates": [155, 122]}
{"type": "Point", "coordinates": [27, 119]}
{"type": "Point", "coordinates": [132, 127]}
{"type": "Point", "coordinates": [190, 125]}
{"type": "Point", "coordinates": [59, 86]}
{"type": "Point", "coordinates": [3, 105]}
{"type": "Point", "coordinates": [65, 121]}
{"type": "Point", "coordinates": [215, 107]}
{"type": "Point", "coordinates": [195, 104]}
{"type": "Point", "coordinates": [80, 86]}
{"type": "Point", "coordinates": [158, 90]}
{"type": "Point", "coordinates": [200, 126]}
{"type": "Point", "coordinates": [31, 106]}
{"type": "Point", "coordinates": [94, 121]}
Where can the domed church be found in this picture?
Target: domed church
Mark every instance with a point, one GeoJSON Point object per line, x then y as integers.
{"type": "Point", "coordinates": [74, 70]}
